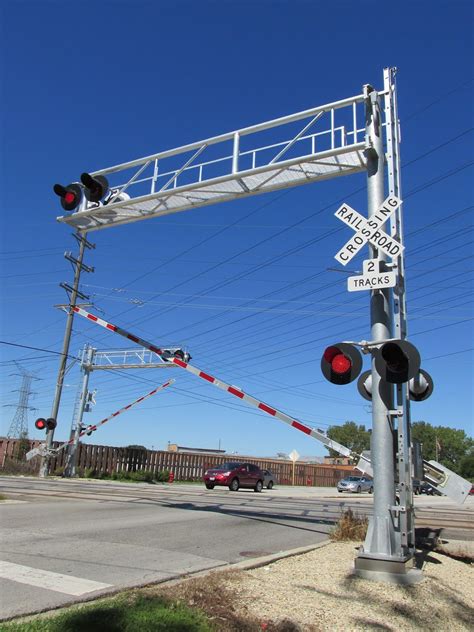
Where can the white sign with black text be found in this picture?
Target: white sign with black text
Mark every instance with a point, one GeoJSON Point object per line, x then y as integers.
{"type": "Point", "coordinates": [368, 230]}
{"type": "Point", "coordinates": [372, 278]}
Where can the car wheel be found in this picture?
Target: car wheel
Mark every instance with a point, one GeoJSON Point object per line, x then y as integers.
{"type": "Point", "coordinates": [234, 485]}
{"type": "Point", "coordinates": [371, 490]}
{"type": "Point", "coordinates": [340, 491]}
{"type": "Point", "coordinates": [258, 487]}
{"type": "Point", "coordinates": [208, 486]}
{"type": "Point", "coordinates": [359, 489]}
{"type": "Point", "coordinates": [270, 485]}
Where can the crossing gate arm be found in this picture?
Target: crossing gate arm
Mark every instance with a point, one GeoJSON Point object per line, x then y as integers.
{"type": "Point", "coordinates": [233, 390]}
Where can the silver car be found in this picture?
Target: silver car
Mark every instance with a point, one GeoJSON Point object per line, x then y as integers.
{"type": "Point", "coordinates": [356, 484]}
{"type": "Point", "coordinates": [268, 479]}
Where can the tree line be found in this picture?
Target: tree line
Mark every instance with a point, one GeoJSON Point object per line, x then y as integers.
{"type": "Point", "coordinates": [451, 447]}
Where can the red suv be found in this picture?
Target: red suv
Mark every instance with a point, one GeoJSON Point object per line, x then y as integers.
{"type": "Point", "coordinates": [235, 475]}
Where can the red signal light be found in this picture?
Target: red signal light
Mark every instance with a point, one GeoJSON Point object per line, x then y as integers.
{"type": "Point", "coordinates": [341, 363]}
{"type": "Point", "coordinates": [70, 196]}
{"type": "Point", "coordinates": [40, 424]}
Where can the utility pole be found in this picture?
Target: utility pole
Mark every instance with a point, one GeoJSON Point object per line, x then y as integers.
{"type": "Point", "coordinates": [73, 293]}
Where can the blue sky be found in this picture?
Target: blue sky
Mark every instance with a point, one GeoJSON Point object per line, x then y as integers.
{"type": "Point", "coordinates": [90, 85]}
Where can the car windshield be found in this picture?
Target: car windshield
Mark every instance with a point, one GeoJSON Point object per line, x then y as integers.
{"type": "Point", "coordinates": [226, 466]}
{"type": "Point", "coordinates": [353, 478]}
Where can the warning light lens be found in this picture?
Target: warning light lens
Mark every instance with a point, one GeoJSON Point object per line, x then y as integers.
{"type": "Point", "coordinates": [70, 195]}
{"type": "Point", "coordinates": [340, 364]}
{"type": "Point", "coordinates": [40, 424]}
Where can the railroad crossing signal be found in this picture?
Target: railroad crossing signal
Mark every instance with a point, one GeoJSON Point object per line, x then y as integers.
{"type": "Point", "coordinates": [93, 188]}
{"type": "Point", "coordinates": [45, 424]}
{"type": "Point", "coordinates": [368, 230]}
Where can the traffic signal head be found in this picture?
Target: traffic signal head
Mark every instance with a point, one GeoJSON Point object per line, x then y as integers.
{"type": "Point", "coordinates": [341, 363]}
{"type": "Point", "coordinates": [51, 423]}
{"type": "Point", "coordinates": [95, 188]}
{"type": "Point", "coordinates": [40, 424]}
{"type": "Point", "coordinates": [70, 196]}
{"type": "Point", "coordinates": [397, 361]}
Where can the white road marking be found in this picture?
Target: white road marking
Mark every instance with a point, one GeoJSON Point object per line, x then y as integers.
{"type": "Point", "coordinates": [51, 581]}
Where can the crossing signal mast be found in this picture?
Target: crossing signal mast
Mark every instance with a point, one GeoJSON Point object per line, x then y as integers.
{"type": "Point", "coordinates": [359, 134]}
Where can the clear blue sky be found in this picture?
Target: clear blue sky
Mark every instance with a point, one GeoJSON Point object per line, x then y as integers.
{"type": "Point", "coordinates": [87, 85]}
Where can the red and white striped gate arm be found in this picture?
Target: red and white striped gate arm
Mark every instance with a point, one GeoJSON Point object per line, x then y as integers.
{"type": "Point", "coordinates": [233, 390]}
{"type": "Point", "coordinates": [113, 415]}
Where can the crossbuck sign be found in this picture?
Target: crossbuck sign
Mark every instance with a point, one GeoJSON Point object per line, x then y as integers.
{"type": "Point", "coordinates": [368, 230]}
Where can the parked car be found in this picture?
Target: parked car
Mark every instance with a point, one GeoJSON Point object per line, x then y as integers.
{"type": "Point", "coordinates": [268, 479]}
{"type": "Point", "coordinates": [356, 484]}
{"type": "Point", "coordinates": [234, 475]}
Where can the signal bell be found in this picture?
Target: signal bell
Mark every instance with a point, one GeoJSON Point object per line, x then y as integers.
{"type": "Point", "coordinates": [397, 361]}
{"type": "Point", "coordinates": [95, 188]}
{"type": "Point", "coordinates": [341, 363]}
{"type": "Point", "coordinates": [70, 196]}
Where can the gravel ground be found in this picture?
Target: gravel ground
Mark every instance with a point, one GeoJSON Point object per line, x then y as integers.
{"type": "Point", "coordinates": [316, 591]}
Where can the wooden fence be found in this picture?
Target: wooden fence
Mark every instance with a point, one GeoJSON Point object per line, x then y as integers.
{"type": "Point", "coordinates": [185, 466]}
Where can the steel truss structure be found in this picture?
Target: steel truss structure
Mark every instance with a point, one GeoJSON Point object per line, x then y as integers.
{"type": "Point", "coordinates": [115, 359]}
{"type": "Point", "coordinates": [19, 425]}
{"type": "Point", "coordinates": [129, 359]}
{"type": "Point", "coordinates": [238, 164]}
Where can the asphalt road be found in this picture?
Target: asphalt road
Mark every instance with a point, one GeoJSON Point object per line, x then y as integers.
{"type": "Point", "coordinates": [67, 540]}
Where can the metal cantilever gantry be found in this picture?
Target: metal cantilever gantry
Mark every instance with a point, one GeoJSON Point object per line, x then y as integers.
{"type": "Point", "coordinates": [238, 164]}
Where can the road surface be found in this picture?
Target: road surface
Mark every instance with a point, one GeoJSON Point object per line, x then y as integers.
{"type": "Point", "coordinates": [67, 540]}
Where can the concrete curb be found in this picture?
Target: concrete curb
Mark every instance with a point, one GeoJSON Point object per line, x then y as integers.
{"type": "Point", "coordinates": [115, 590]}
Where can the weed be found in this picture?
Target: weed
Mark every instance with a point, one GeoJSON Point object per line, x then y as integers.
{"type": "Point", "coordinates": [350, 527]}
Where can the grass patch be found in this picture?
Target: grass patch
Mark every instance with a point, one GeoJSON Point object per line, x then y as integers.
{"type": "Point", "coordinates": [201, 604]}
{"type": "Point", "coordinates": [349, 527]}
{"type": "Point", "coordinates": [2, 497]}
{"type": "Point", "coordinates": [128, 613]}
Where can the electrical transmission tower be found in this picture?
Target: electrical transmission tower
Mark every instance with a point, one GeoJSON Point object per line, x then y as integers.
{"type": "Point", "coordinates": [19, 425]}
